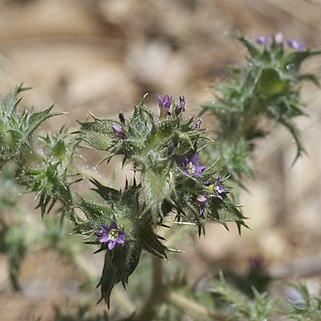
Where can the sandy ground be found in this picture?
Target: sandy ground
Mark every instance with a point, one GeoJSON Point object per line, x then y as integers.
{"type": "Point", "coordinates": [102, 56]}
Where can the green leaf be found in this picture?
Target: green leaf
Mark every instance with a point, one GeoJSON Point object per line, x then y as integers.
{"type": "Point", "coordinates": [119, 264]}
{"type": "Point", "coordinates": [269, 82]}
{"type": "Point", "coordinates": [95, 212]}
{"type": "Point", "coordinates": [36, 119]}
{"type": "Point", "coordinates": [250, 46]}
{"type": "Point", "coordinates": [99, 134]}
{"type": "Point", "coordinates": [156, 189]}
{"type": "Point", "coordinates": [294, 59]}
{"type": "Point", "coordinates": [295, 134]}
{"type": "Point", "coordinates": [107, 193]}
{"type": "Point", "coordinates": [108, 278]}
{"type": "Point", "coordinates": [224, 212]}
{"type": "Point", "coordinates": [310, 77]}
{"type": "Point", "coordinates": [148, 240]}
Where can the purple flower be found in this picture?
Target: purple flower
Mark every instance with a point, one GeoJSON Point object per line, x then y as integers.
{"type": "Point", "coordinates": [293, 43]}
{"type": "Point", "coordinates": [262, 40]}
{"type": "Point", "coordinates": [180, 107]}
{"type": "Point", "coordinates": [219, 188]}
{"type": "Point", "coordinates": [201, 199]}
{"type": "Point", "coordinates": [192, 166]}
{"type": "Point", "coordinates": [119, 130]}
{"type": "Point", "coordinates": [279, 38]}
{"type": "Point", "coordinates": [164, 105]}
{"type": "Point", "coordinates": [111, 235]}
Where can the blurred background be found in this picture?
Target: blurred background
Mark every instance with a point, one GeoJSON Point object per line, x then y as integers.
{"type": "Point", "coordinates": [101, 56]}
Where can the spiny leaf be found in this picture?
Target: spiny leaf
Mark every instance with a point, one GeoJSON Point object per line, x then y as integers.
{"type": "Point", "coordinates": [36, 119]}
{"type": "Point", "coordinates": [156, 189]}
{"type": "Point", "coordinates": [148, 240]}
{"type": "Point", "coordinates": [119, 264]}
{"type": "Point", "coordinates": [107, 193]}
{"type": "Point", "coordinates": [96, 212]}
{"type": "Point", "coordinates": [250, 46]}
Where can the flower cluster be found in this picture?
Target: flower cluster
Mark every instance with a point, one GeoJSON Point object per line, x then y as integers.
{"type": "Point", "coordinates": [217, 188]}
{"type": "Point", "coordinates": [192, 167]}
{"type": "Point", "coordinates": [278, 38]}
{"type": "Point", "coordinates": [166, 102]}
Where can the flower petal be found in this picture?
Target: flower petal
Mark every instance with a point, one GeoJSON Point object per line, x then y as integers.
{"type": "Point", "coordinates": [111, 244]}
{"type": "Point", "coordinates": [160, 100]}
{"type": "Point", "coordinates": [194, 159]}
{"type": "Point", "coordinates": [114, 226]}
{"type": "Point", "coordinates": [104, 238]}
{"type": "Point", "coordinates": [105, 228]}
{"type": "Point", "coordinates": [120, 241]}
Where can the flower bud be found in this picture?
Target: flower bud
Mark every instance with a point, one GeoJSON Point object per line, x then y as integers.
{"type": "Point", "coordinates": [119, 130]}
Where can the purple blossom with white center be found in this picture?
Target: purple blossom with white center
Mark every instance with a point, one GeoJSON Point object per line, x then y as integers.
{"type": "Point", "coordinates": [164, 105]}
{"type": "Point", "coordinates": [111, 235]}
{"type": "Point", "coordinates": [180, 107]}
{"type": "Point", "coordinates": [262, 40]}
{"type": "Point", "coordinates": [219, 188]}
{"type": "Point", "coordinates": [118, 130]}
{"type": "Point", "coordinates": [201, 199]}
{"type": "Point", "coordinates": [293, 43]}
{"type": "Point", "coordinates": [279, 38]}
{"type": "Point", "coordinates": [192, 165]}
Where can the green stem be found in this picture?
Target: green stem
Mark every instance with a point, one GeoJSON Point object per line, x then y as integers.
{"type": "Point", "coordinates": [157, 294]}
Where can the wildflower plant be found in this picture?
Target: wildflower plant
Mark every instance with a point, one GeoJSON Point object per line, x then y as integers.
{"type": "Point", "coordinates": [182, 174]}
{"type": "Point", "coordinates": [267, 87]}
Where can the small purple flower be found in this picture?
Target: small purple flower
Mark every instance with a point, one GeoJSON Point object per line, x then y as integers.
{"type": "Point", "coordinates": [180, 107]}
{"type": "Point", "coordinates": [219, 188]}
{"type": "Point", "coordinates": [164, 105]}
{"type": "Point", "coordinates": [262, 40]}
{"type": "Point", "coordinates": [119, 130]}
{"type": "Point", "coordinates": [279, 38]}
{"type": "Point", "coordinates": [293, 43]}
{"type": "Point", "coordinates": [201, 199]}
{"type": "Point", "coordinates": [192, 166]}
{"type": "Point", "coordinates": [111, 235]}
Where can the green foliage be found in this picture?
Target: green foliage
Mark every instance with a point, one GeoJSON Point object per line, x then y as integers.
{"type": "Point", "coordinates": [309, 309]}
{"type": "Point", "coordinates": [51, 179]}
{"type": "Point", "coordinates": [239, 306]}
{"type": "Point", "coordinates": [16, 128]}
{"type": "Point", "coordinates": [267, 87]}
{"type": "Point", "coordinates": [118, 266]}
{"type": "Point", "coordinates": [157, 149]}
{"type": "Point", "coordinates": [171, 183]}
